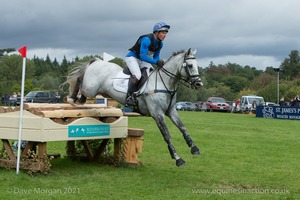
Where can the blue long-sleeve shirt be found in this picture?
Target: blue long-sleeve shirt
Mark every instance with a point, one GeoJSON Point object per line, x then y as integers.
{"type": "Point", "coordinates": [145, 54]}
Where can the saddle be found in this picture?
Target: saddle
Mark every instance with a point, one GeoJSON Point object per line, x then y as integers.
{"type": "Point", "coordinates": [143, 78]}
{"type": "Point", "coordinates": [120, 82]}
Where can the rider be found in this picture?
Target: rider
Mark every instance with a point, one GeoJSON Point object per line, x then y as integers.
{"type": "Point", "coordinates": [144, 53]}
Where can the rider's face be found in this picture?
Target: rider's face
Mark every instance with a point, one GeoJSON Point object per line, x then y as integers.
{"type": "Point", "coordinates": [161, 35]}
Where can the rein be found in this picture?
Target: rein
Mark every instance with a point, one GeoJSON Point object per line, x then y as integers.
{"type": "Point", "coordinates": [181, 80]}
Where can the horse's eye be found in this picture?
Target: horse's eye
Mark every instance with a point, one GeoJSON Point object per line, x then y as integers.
{"type": "Point", "coordinates": [190, 65]}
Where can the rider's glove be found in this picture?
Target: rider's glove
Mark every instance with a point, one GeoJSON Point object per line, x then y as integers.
{"type": "Point", "coordinates": [160, 63]}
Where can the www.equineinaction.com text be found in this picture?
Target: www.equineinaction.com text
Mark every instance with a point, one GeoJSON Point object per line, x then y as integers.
{"type": "Point", "coordinates": [241, 191]}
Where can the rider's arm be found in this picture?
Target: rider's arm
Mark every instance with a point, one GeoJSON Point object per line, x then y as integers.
{"type": "Point", "coordinates": [144, 49]}
{"type": "Point", "coordinates": [157, 53]}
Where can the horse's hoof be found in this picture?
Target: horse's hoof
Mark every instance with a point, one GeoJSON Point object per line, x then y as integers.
{"type": "Point", "coordinates": [71, 101]}
{"type": "Point", "coordinates": [81, 101]}
{"type": "Point", "coordinates": [180, 162]}
{"type": "Point", "coordinates": [195, 150]}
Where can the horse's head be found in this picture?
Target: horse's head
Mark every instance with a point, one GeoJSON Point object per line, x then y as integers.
{"type": "Point", "coordinates": [189, 69]}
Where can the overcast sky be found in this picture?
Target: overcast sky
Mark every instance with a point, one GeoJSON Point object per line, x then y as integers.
{"type": "Point", "coordinates": [258, 33]}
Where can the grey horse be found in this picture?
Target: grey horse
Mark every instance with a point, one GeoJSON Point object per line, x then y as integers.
{"type": "Point", "coordinates": [158, 97]}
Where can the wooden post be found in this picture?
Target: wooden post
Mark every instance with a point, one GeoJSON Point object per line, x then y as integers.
{"type": "Point", "coordinates": [42, 150]}
{"type": "Point", "coordinates": [71, 148]}
{"type": "Point", "coordinates": [88, 149]}
{"type": "Point", "coordinates": [100, 149]}
{"type": "Point", "coordinates": [133, 145]}
{"type": "Point", "coordinates": [117, 141]}
{"type": "Point", "coordinates": [9, 150]}
{"type": "Point", "coordinates": [28, 147]}
{"type": "Point", "coordinates": [117, 148]}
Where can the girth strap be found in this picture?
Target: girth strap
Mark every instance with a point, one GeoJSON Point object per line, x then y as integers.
{"type": "Point", "coordinates": [162, 91]}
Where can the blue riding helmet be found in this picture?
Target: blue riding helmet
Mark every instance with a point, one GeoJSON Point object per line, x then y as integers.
{"type": "Point", "coordinates": [161, 26]}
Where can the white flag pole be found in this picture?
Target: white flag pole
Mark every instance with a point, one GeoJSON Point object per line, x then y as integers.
{"type": "Point", "coordinates": [21, 113]}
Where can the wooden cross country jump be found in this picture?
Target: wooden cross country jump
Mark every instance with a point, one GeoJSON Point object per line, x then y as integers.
{"type": "Point", "coordinates": [44, 123]}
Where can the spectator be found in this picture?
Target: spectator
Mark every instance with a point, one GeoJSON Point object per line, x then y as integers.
{"type": "Point", "coordinates": [6, 99]}
{"type": "Point", "coordinates": [297, 101]}
{"type": "Point", "coordinates": [281, 102]}
{"type": "Point", "coordinates": [237, 105]}
{"type": "Point", "coordinates": [13, 100]}
{"type": "Point", "coordinates": [292, 102]}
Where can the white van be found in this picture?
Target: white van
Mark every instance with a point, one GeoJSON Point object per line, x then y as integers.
{"type": "Point", "coordinates": [249, 103]}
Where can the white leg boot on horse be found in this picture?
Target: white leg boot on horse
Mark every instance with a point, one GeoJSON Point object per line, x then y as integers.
{"type": "Point", "coordinates": [132, 87]}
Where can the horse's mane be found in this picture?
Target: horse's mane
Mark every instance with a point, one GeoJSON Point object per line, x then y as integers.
{"type": "Point", "coordinates": [178, 52]}
{"type": "Point", "coordinates": [175, 54]}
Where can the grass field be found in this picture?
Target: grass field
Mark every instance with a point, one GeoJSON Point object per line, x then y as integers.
{"type": "Point", "coordinates": [242, 157]}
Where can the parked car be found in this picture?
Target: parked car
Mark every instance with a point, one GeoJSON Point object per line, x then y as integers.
{"type": "Point", "coordinates": [249, 102]}
{"type": "Point", "coordinates": [42, 97]}
{"type": "Point", "coordinates": [184, 105]}
{"type": "Point", "coordinates": [217, 104]}
{"type": "Point", "coordinates": [271, 104]}
{"type": "Point", "coordinates": [198, 105]}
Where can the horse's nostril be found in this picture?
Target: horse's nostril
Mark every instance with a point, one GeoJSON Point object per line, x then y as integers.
{"type": "Point", "coordinates": [199, 84]}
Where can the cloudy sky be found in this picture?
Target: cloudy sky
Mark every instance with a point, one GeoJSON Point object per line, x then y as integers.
{"type": "Point", "coordinates": [258, 33]}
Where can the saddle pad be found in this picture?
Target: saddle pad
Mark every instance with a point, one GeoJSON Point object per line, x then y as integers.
{"type": "Point", "coordinates": [120, 82]}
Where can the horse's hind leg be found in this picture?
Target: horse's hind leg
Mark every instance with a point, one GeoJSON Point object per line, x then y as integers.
{"type": "Point", "coordinates": [173, 115]}
{"type": "Point", "coordinates": [73, 98]}
{"type": "Point", "coordinates": [160, 121]}
{"type": "Point", "coordinates": [82, 99]}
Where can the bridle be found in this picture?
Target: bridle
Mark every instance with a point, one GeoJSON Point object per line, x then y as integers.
{"type": "Point", "coordinates": [182, 80]}
{"type": "Point", "coordinates": [190, 79]}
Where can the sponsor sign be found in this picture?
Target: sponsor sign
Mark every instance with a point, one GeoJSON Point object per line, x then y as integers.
{"type": "Point", "coordinates": [278, 112]}
{"type": "Point", "coordinates": [89, 130]}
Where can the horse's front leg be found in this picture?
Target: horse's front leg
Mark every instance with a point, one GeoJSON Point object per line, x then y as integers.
{"type": "Point", "coordinates": [173, 115]}
{"type": "Point", "coordinates": [161, 123]}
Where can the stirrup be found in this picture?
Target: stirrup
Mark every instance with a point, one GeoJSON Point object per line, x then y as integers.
{"type": "Point", "coordinates": [130, 101]}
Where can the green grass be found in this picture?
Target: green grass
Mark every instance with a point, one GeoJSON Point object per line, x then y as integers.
{"type": "Point", "coordinates": [242, 157]}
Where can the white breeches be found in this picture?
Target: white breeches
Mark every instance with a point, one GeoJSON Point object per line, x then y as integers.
{"type": "Point", "coordinates": [135, 65]}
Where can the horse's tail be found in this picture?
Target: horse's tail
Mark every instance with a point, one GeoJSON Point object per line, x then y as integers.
{"type": "Point", "coordinates": [75, 77]}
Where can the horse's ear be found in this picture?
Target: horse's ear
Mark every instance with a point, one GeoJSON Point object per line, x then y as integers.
{"type": "Point", "coordinates": [195, 51]}
{"type": "Point", "coordinates": [191, 52]}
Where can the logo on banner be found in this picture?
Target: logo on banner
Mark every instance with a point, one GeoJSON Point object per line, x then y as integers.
{"type": "Point", "coordinates": [89, 130]}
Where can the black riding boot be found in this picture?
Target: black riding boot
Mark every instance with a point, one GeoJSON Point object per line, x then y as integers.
{"type": "Point", "coordinates": [132, 87]}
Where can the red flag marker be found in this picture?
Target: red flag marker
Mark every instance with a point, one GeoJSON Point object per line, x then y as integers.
{"type": "Point", "coordinates": [22, 51]}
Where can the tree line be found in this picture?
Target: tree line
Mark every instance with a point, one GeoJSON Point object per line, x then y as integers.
{"type": "Point", "coordinates": [229, 80]}
{"type": "Point", "coordinates": [232, 80]}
